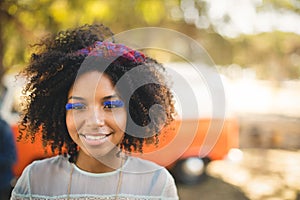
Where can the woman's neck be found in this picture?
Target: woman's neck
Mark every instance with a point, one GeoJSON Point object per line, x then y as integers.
{"type": "Point", "coordinates": [107, 163]}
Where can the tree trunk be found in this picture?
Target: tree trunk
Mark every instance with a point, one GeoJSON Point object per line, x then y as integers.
{"type": "Point", "coordinates": [2, 17]}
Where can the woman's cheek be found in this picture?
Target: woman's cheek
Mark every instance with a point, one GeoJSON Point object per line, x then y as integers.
{"type": "Point", "coordinates": [71, 124]}
{"type": "Point", "coordinates": [121, 119]}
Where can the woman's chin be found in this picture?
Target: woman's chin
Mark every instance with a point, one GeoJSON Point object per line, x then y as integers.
{"type": "Point", "coordinates": [103, 152]}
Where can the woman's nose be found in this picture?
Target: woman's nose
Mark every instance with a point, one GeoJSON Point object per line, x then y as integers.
{"type": "Point", "coordinates": [96, 117]}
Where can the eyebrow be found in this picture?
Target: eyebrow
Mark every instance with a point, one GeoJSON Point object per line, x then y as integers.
{"type": "Point", "coordinates": [104, 98]}
{"type": "Point", "coordinates": [74, 97]}
{"type": "Point", "coordinates": [110, 97]}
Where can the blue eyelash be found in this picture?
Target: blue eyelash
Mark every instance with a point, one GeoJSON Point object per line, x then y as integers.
{"type": "Point", "coordinates": [75, 106]}
{"type": "Point", "coordinates": [114, 104]}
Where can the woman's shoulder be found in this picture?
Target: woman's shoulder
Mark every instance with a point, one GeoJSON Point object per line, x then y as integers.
{"type": "Point", "coordinates": [50, 163]}
{"type": "Point", "coordinates": [46, 167]}
{"type": "Point", "coordinates": [139, 165]}
{"type": "Point", "coordinates": [150, 177]}
{"type": "Point", "coordinates": [43, 173]}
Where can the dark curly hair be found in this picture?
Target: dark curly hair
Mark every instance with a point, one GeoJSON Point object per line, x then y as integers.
{"type": "Point", "coordinates": [52, 71]}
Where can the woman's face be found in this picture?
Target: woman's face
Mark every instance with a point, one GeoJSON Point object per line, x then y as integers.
{"type": "Point", "coordinates": [95, 116]}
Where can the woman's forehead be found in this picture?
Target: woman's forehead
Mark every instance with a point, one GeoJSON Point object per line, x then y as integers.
{"type": "Point", "coordinates": [93, 82]}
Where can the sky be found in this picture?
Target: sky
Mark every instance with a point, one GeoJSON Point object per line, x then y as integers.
{"type": "Point", "coordinates": [231, 18]}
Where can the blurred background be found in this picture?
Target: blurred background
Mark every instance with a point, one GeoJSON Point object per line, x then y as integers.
{"type": "Point", "coordinates": [255, 44]}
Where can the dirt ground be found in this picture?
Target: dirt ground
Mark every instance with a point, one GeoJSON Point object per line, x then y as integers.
{"type": "Point", "coordinates": [262, 174]}
{"type": "Point", "coordinates": [211, 189]}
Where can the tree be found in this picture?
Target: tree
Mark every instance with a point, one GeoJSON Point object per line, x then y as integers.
{"type": "Point", "coordinates": [23, 22]}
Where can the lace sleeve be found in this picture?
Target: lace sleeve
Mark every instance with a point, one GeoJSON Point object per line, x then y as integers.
{"type": "Point", "coordinates": [22, 189]}
{"type": "Point", "coordinates": [170, 190]}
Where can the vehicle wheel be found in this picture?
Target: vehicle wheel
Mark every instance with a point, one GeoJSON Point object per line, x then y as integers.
{"type": "Point", "coordinates": [190, 170]}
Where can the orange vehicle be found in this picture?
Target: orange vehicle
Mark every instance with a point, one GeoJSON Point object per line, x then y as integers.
{"type": "Point", "coordinates": [27, 152]}
{"type": "Point", "coordinates": [190, 147]}
{"type": "Point", "coordinates": [185, 147]}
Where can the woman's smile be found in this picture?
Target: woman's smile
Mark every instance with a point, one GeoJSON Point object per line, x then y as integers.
{"type": "Point", "coordinates": [96, 136]}
{"type": "Point", "coordinates": [94, 139]}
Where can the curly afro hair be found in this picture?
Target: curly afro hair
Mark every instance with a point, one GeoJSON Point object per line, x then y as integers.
{"type": "Point", "coordinates": [52, 71]}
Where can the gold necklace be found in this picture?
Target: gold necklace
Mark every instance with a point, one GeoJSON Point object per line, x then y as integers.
{"type": "Point", "coordinates": [70, 182]}
{"type": "Point", "coordinates": [118, 186]}
{"type": "Point", "coordinates": [120, 179]}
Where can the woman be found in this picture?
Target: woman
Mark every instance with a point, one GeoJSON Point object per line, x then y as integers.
{"type": "Point", "coordinates": [89, 99]}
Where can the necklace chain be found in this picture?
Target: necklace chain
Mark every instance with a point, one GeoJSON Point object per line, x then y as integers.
{"type": "Point", "coordinates": [118, 186]}
{"type": "Point", "coordinates": [70, 182]}
{"type": "Point", "coordinates": [120, 179]}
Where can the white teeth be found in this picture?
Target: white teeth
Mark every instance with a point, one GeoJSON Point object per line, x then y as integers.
{"type": "Point", "coordinates": [90, 137]}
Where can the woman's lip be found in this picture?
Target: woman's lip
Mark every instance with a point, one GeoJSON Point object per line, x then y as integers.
{"type": "Point", "coordinates": [94, 135]}
{"type": "Point", "coordinates": [94, 139]}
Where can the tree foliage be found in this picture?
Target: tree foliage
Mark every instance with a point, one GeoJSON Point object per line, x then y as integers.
{"type": "Point", "coordinates": [24, 21]}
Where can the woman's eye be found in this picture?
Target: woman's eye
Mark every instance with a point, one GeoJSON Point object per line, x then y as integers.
{"type": "Point", "coordinates": [113, 104]}
{"type": "Point", "coordinates": [75, 106]}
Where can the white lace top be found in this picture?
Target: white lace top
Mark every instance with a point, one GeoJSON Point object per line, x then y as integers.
{"type": "Point", "coordinates": [50, 179]}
